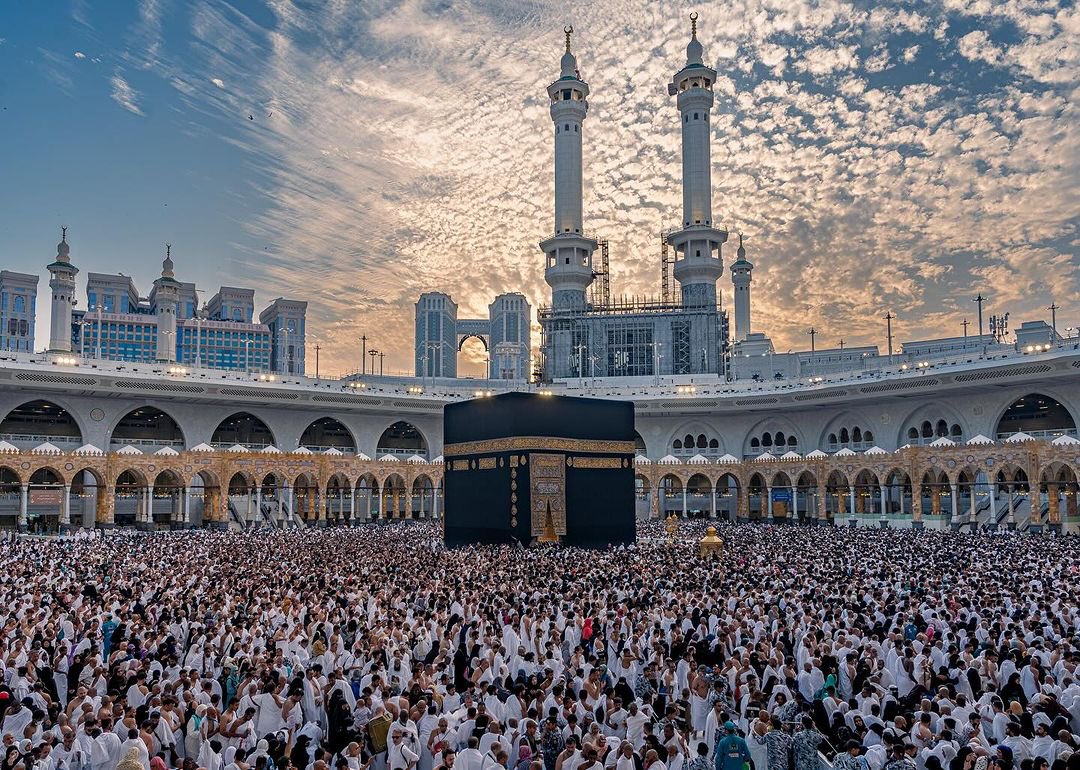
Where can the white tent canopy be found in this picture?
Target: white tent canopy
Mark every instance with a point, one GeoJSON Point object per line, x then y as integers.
{"type": "Point", "coordinates": [1065, 441]}
{"type": "Point", "coordinates": [1017, 438]}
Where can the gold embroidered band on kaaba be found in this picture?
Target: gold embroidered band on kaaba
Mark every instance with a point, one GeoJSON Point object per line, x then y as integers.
{"type": "Point", "coordinates": [519, 443]}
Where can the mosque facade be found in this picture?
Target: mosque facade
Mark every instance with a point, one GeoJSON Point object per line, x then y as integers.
{"type": "Point", "coordinates": [976, 431]}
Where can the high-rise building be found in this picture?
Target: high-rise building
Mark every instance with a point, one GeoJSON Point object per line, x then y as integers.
{"type": "Point", "coordinates": [285, 321]}
{"type": "Point", "coordinates": [504, 335]}
{"type": "Point", "coordinates": [18, 305]}
{"type": "Point", "coordinates": [119, 324]}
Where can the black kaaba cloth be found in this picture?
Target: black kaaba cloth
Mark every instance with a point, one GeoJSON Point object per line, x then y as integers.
{"type": "Point", "coordinates": [513, 458]}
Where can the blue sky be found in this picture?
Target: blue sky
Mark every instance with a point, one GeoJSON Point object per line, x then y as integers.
{"type": "Point", "coordinates": [879, 156]}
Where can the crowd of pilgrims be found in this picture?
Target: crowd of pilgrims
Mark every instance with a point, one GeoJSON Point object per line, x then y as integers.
{"type": "Point", "coordinates": [374, 647]}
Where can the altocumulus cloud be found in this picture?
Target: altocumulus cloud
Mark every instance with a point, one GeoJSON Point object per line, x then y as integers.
{"type": "Point", "coordinates": [876, 160]}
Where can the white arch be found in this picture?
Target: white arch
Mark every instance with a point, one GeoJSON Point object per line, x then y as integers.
{"type": "Point", "coordinates": [773, 424]}
{"type": "Point", "coordinates": [932, 411]}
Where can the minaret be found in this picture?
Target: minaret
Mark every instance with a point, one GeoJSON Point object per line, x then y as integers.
{"type": "Point", "coordinates": [62, 284]}
{"type": "Point", "coordinates": [166, 299]}
{"type": "Point", "coordinates": [740, 277]}
{"type": "Point", "coordinates": [697, 244]}
{"type": "Point", "coordinates": [569, 253]}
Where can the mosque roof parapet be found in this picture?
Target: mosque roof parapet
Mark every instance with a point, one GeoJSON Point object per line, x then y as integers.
{"type": "Point", "coordinates": [648, 392]}
{"type": "Point", "coordinates": [47, 448]}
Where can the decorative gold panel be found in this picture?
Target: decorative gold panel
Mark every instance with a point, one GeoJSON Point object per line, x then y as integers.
{"type": "Point", "coordinates": [547, 486]}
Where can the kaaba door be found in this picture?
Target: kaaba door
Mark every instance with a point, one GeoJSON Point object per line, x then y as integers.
{"type": "Point", "coordinates": [547, 487]}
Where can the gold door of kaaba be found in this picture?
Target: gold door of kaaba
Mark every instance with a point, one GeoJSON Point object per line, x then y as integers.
{"type": "Point", "coordinates": [547, 487]}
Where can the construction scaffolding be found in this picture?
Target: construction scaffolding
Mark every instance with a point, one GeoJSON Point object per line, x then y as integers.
{"type": "Point", "coordinates": [667, 270]}
{"type": "Point", "coordinates": [600, 291]}
{"type": "Point", "coordinates": [632, 336]}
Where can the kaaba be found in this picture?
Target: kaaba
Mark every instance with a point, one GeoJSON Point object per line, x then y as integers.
{"type": "Point", "coordinates": [528, 467]}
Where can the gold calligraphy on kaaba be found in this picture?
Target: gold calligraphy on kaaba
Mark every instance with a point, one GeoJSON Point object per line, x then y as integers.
{"type": "Point", "coordinates": [547, 488]}
{"type": "Point", "coordinates": [518, 443]}
{"type": "Point", "coordinates": [487, 463]}
{"type": "Point", "coordinates": [596, 462]}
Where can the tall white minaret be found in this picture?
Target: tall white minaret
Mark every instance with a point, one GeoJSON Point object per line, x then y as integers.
{"type": "Point", "coordinates": [569, 253]}
{"type": "Point", "coordinates": [740, 277]}
{"type": "Point", "coordinates": [697, 244]}
{"type": "Point", "coordinates": [62, 283]}
{"type": "Point", "coordinates": [166, 298]}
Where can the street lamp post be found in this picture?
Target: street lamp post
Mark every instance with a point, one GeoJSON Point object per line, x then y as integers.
{"type": "Point", "coordinates": [580, 348]}
{"type": "Point", "coordinates": [381, 355]}
{"type": "Point", "coordinates": [1054, 307]}
{"type": "Point", "coordinates": [363, 353]}
{"type": "Point", "coordinates": [82, 336]}
{"type": "Point", "coordinates": [247, 354]}
{"type": "Point", "coordinates": [317, 349]}
{"type": "Point", "coordinates": [373, 353]}
{"type": "Point", "coordinates": [979, 300]}
{"type": "Point", "coordinates": [888, 325]}
{"type": "Point", "coordinates": [430, 348]}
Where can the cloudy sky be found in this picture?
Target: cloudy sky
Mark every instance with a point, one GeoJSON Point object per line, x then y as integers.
{"type": "Point", "coordinates": [878, 156]}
